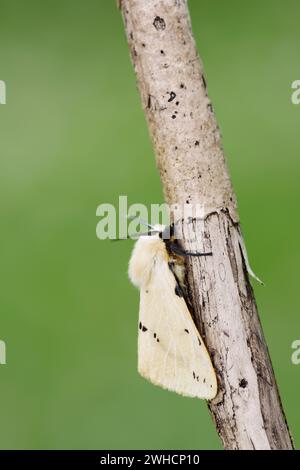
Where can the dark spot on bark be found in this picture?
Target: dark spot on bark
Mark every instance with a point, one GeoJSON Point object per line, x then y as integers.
{"type": "Point", "coordinates": [144, 329]}
{"type": "Point", "coordinates": [243, 383]}
{"type": "Point", "coordinates": [181, 85]}
{"type": "Point", "coordinates": [140, 325]}
{"type": "Point", "coordinates": [187, 201]}
{"type": "Point", "coordinates": [172, 96]}
{"type": "Point", "coordinates": [159, 23]}
{"type": "Point", "coordinates": [197, 378]}
{"type": "Point", "coordinates": [131, 35]}
{"type": "Point", "coordinates": [176, 148]}
{"type": "Point", "coordinates": [143, 44]}
{"type": "Point", "coordinates": [194, 375]}
{"type": "Point", "coordinates": [204, 81]}
{"type": "Point", "coordinates": [173, 116]}
{"type": "Point", "coordinates": [210, 107]}
{"type": "Point", "coordinates": [162, 52]}
{"type": "Point", "coordinates": [146, 291]}
{"type": "Point", "coordinates": [199, 342]}
{"type": "Point", "coordinates": [177, 103]}
{"type": "Point", "coordinates": [154, 335]}
{"type": "Point", "coordinates": [187, 331]}
{"type": "Point", "coordinates": [204, 380]}
{"type": "Point", "coordinates": [149, 102]}
{"type": "Point", "coordinates": [157, 340]}
{"type": "Point", "coordinates": [197, 143]}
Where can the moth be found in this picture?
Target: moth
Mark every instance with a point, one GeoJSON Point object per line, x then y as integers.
{"type": "Point", "coordinates": [171, 352]}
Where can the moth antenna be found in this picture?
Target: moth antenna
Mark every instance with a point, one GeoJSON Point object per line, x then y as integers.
{"type": "Point", "coordinates": [141, 221]}
{"type": "Point", "coordinates": [143, 234]}
{"type": "Point", "coordinates": [135, 236]}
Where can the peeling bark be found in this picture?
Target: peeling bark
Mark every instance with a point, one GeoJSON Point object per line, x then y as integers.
{"type": "Point", "coordinates": [247, 410]}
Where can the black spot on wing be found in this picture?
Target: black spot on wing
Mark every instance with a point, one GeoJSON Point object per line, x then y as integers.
{"type": "Point", "coordinates": [195, 377]}
{"type": "Point", "coordinates": [142, 327]}
{"type": "Point", "coordinates": [155, 337]}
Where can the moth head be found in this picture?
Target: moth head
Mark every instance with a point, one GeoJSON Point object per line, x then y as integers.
{"type": "Point", "coordinates": [167, 232]}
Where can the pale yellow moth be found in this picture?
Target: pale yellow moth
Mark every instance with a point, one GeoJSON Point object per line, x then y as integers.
{"type": "Point", "coordinates": [171, 352]}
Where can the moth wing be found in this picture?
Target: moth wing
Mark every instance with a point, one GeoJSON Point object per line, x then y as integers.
{"type": "Point", "coordinates": [171, 352]}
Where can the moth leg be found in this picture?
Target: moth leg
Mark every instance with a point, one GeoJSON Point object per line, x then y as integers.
{"type": "Point", "coordinates": [177, 250]}
{"type": "Point", "coordinates": [178, 289]}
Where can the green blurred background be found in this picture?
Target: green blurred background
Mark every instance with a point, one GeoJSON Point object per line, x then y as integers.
{"type": "Point", "coordinates": [73, 136]}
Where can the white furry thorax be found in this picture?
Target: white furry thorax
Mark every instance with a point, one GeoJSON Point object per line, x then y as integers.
{"type": "Point", "coordinates": [147, 251]}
